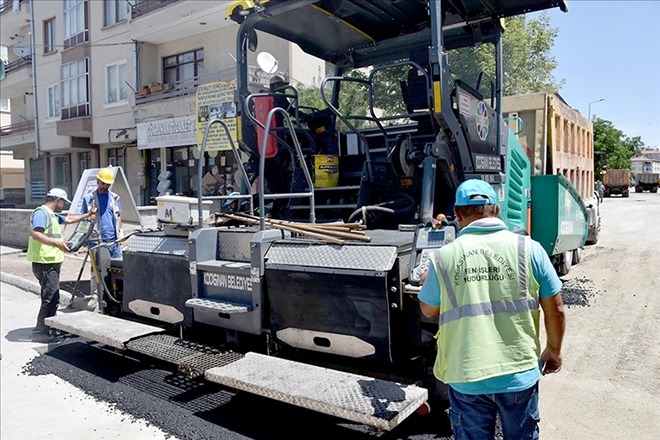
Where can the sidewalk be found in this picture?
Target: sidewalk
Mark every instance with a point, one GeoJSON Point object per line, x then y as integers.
{"type": "Point", "coordinates": [17, 271]}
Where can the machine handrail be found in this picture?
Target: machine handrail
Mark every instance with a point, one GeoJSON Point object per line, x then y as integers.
{"type": "Point", "coordinates": [262, 167]}
{"type": "Point", "coordinates": [200, 168]}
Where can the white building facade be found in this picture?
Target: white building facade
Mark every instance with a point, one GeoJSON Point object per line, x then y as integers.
{"type": "Point", "coordinates": [83, 80]}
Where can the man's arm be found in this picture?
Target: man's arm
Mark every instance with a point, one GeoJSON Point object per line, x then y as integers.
{"type": "Point", "coordinates": [38, 235]}
{"type": "Point", "coordinates": [428, 310]}
{"type": "Point", "coordinates": [430, 293]}
{"type": "Point", "coordinates": [553, 315]}
{"type": "Point", "coordinates": [75, 218]}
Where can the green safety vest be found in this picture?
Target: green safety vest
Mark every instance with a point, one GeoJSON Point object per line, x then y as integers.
{"type": "Point", "coordinates": [489, 307]}
{"type": "Point", "coordinates": [41, 253]}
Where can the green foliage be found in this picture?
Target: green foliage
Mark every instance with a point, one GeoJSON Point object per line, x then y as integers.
{"type": "Point", "coordinates": [528, 62]}
{"type": "Point", "coordinates": [618, 147]}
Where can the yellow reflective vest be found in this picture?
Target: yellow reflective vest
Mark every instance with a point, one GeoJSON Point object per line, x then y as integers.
{"type": "Point", "coordinates": [41, 253]}
{"type": "Point", "coordinates": [489, 307]}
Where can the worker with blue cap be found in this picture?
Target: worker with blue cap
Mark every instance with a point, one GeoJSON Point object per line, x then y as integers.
{"type": "Point", "coordinates": [486, 288]}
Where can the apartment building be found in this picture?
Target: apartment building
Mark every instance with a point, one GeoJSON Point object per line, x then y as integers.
{"type": "Point", "coordinates": [103, 81]}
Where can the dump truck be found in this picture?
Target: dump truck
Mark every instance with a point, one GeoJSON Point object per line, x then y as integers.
{"type": "Point", "coordinates": [557, 140]}
{"type": "Point", "coordinates": [647, 182]}
{"type": "Point", "coordinates": [269, 294]}
{"type": "Point", "coordinates": [617, 181]}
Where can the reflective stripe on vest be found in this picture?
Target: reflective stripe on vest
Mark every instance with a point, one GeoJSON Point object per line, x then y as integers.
{"type": "Point", "coordinates": [456, 312]}
{"type": "Point", "coordinates": [41, 253]}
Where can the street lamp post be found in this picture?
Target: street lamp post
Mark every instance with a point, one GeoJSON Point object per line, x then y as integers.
{"type": "Point", "coordinates": [593, 102]}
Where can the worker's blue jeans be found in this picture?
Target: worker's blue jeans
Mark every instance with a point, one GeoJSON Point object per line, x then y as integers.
{"type": "Point", "coordinates": [473, 416]}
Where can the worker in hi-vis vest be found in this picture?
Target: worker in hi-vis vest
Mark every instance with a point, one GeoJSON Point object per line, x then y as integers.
{"type": "Point", "coordinates": [46, 248]}
{"type": "Point", "coordinates": [486, 288]}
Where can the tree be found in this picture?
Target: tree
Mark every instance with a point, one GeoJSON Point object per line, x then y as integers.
{"type": "Point", "coordinates": [528, 62]}
{"type": "Point", "coordinates": [618, 147]}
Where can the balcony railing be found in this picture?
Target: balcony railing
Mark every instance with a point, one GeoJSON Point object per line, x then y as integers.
{"type": "Point", "coordinates": [185, 88]}
{"type": "Point", "coordinates": [146, 6]}
{"type": "Point", "coordinates": [17, 65]}
{"type": "Point", "coordinates": [21, 127]}
{"type": "Point", "coordinates": [7, 5]}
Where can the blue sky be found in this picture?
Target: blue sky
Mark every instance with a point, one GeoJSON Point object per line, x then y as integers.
{"type": "Point", "coordinates": [611, 50]}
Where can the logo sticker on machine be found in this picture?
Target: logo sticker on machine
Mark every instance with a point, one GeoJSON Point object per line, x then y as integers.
{"type": "Point", "coordinates": [234, 282]}
{"type": "Point", "coordinates": [482, 121]}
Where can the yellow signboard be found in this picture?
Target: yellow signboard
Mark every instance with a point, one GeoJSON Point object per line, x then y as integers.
{"type": "Point", "coordinates": [216, 100]}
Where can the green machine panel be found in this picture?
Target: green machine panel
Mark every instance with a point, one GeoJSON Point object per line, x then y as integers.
{"type": "Point", "coordinates": [559, 217]}
{"type": "Point", "coordinates": [514, 202]}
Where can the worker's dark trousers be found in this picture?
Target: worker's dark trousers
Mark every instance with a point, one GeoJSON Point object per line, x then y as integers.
{"type": "Point", "coordinates": [49, 279]}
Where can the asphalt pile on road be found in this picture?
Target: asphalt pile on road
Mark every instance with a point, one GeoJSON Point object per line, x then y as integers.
{"type": "Point", "coordinates": [578, 292]}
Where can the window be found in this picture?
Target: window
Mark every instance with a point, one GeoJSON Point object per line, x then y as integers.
{"type": "Point", "coordinates": [4, 104]}
{"type": "Point", "coordinates": [115, 11]}
{"type": "Point", "coordinates": [116, 157]}
{"type": "Point", "coordinates": [84, 162]}
{"type": "Point", "coordinates": [76, 30]}
{"type": "Point", "coordinates": [49, 35]}
{"type": "Point", "coordinates": [115, 83]}
{"type": "Point", "coordinates": [37, 179]}
{"type": "Point", "coordinates": [184, 66]}
{"type": "Point", "coordinates": [75, 90]}
{"type": "Point", "coordinates": [53, 97]}
{"type": "Point", "coordinates": [62, 172]}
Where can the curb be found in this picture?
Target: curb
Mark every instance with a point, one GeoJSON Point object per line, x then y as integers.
{"type": "Point", "coordinates": [34, 287]}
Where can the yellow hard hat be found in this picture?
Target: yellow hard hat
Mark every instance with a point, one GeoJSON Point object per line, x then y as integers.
{"type": "Point", "coordinates": [106, 176]}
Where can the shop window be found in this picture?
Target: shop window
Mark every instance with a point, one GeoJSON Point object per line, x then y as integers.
{"type": "Point", "coordinates": [62, 172]}
{"type": "Point", "coordinates": [116, 157]}
{"type": "Point", "coordinates": [84, 162]}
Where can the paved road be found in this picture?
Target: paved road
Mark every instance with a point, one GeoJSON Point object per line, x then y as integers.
{"type": "Point", "coordinates": [46, 406]}
{"type": "Point", "coordinates": [608, 389]}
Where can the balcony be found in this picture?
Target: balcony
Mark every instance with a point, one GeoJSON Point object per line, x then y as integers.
{"type": "Point", "coordinates": [18, 64]}
{"type": "Point", "coordinates": [13, 23]}
{"type": "Point", "coordinates": [162, 21]}
{"type": "Point", "coordinates": [18, 79]}
{"type": "Point", "coordinates": [147, 6]}
{"type": "Point", "coordinates": [17, 135]}
{"type": "Point", "coordinates": [184, 88]}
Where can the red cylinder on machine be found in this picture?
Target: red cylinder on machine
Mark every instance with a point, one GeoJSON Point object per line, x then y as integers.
{"type": "Point", "coordinates": [262, 105]}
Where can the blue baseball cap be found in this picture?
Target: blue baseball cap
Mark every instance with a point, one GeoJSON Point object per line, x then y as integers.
{"type": "Point", "coordinates": [475, 192]}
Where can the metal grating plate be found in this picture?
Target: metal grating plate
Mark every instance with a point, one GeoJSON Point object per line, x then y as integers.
{"type": "Point", "coordinates": [378, 403]}
{"type": "Point", "coordinates": [191, 358]}
{"type": "Point", "coordinates": [216, 306]}
{"type": "Point", "coordinates": [105, 329]}
{"type": "Point", "coordinates": [374, 258]}
{"type": "Point", "coordinates": [234, 243]}
{"type": "Point", "coordinates": [158, 245]}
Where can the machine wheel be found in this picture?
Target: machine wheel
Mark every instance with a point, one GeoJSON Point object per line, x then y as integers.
{"type": "Point", "coordinates": [564, 263]}
{"type": "Point", "coordinates": [577, 255]}
{"type": "Point", "coordinates": [654, 189]}
{"type": "Point", "coordinates": [638, 189]}
{"type": "Point", "coordinates": [593, 238]}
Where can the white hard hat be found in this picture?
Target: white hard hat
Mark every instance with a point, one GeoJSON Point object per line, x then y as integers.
{"type": "Point", "coordinates": [59, 193]}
